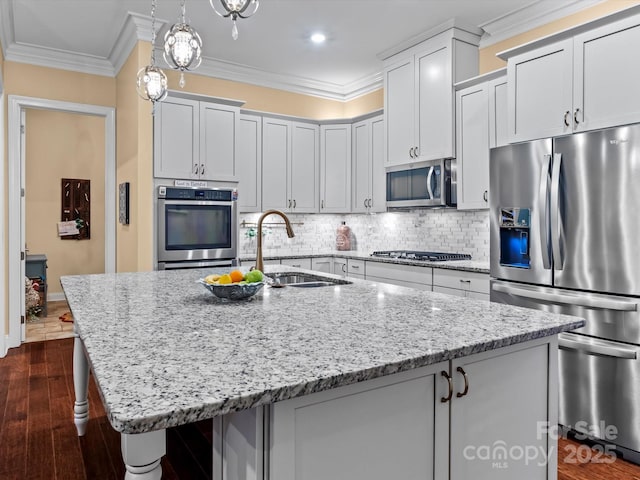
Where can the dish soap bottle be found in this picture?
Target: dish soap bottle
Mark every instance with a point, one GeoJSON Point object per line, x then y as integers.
{"type": "Point", "coordinates": [343, 237]}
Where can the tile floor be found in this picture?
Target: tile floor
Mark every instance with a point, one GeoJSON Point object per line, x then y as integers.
{"type": "Point", "coordinates": [50, 327]}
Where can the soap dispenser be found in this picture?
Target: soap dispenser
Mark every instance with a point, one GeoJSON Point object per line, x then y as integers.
{"type": "Point", "coordinates": [343, 237]}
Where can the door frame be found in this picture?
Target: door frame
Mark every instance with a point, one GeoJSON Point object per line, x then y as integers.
{"type": "Point", "coordinates": [16, 216]}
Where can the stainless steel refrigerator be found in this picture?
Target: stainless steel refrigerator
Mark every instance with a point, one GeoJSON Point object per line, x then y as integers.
{"type": "Point", "coordinates": [565, 238]}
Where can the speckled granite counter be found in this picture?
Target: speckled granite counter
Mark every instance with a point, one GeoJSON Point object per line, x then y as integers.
{"type": "Point", "coordinates": [463, 265]}
{"type": "Point", "coordinates": [165, 352]}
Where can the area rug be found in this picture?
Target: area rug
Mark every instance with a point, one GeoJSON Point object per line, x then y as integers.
{"type": "Point", "coordinates": [66, 317]}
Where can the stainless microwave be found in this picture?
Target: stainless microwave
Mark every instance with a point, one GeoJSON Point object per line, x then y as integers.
{"type": "Point", "coordinates": [425, 184]}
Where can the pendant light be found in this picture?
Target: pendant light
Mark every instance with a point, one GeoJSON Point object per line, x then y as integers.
{"type": "Point", "coordinates": [235, 9]}
{"type": "Point", "coordinates": [182, 46]}
{"type": "Point", "coordinates": [152, 81]}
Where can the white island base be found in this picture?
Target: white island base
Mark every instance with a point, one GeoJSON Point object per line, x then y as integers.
{"type": "Point", "coordinates": [484, 416]}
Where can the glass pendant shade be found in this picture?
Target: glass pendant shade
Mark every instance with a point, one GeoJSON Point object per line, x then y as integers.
{"type": "Point", "coordinates": [182, 47]}
{"type": "Point", "coordinates": [235, 9]}
{"type": "Point", "coordinates": [152, 83]}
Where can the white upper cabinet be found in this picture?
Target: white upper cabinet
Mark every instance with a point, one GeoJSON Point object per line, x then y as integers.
{"type": "Point", "coordinates": [481, 124]}
{"type": "Point", "coordinates": [195, 140]}
{"type": "Point", "coordinates": [249, 163]}
{"type": "Point", "coordinates": [369, 181]}
{"type": "Point", "coordinates": [580, 82]}
{"type": "Point", "coordinates": [473, 147]}
{"type": "Point", "coordinates": [419, 96]}
{"type": "Point", "coordinates": [290, 165]}
{"type": "Point", "coordinates": [335, 168]}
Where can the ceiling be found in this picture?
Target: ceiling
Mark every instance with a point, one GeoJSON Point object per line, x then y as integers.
{"type": "Point", "coordinates": [273, 47]}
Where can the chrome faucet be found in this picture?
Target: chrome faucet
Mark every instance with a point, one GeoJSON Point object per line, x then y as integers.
{"type": "Point", "coordinates": [259, 261]}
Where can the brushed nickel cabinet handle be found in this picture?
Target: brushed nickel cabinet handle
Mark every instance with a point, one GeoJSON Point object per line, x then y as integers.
{"type": "Point", "coordinates": [195, 168]}
{"type": "Point", "coordinates": [344, 267]}
{"type": "Point", "coordinates": [202, 169]}
{"type": "Point", "coordinates": [294, 203]}
{"type": "Point", "coordinates": [575, 116]}
{"type": "Point", "coordinates": [448, 377]}
{"type": "Point", "coordinates": [485, 196]}
{"type": "Point", "coordinates": [321, 203]}
{"type": "Point", "coordinates": [365, 203]}
{"type": "Point", "coordinates": [416, 152]}
{"type": "Point", "coordinates": [411, 152]}
{"type": "Point", "coordinates": [289, 203]}
{"type": "Point", "coordinates": [466, 382]}
{"type": "Point", "coordinates": [566, 114]}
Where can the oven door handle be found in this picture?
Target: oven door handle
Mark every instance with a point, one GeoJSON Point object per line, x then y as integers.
{"type": "Point", "coordinates": [584, 300]}
{"type": "Point", "coordinates": [596, 346]}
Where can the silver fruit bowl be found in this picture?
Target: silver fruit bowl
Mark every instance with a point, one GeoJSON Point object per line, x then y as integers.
{"type": "Point", "coordinates": [233, 291]}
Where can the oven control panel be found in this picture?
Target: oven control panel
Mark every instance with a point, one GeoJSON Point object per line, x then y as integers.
{"type": "Point", "coordinates": [197, 194]}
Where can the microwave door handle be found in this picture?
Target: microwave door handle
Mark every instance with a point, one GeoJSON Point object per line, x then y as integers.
{"type": "Point", "coordinates": [593, 346]}
{"type": "Point", "coordinates": [543, 227]}
{"type": "Point", "coordinates": [584, 300]}
{"type": "Point", "coordinates": [558, 259]}
{"type": "Point", "coordinates": [429, 189]}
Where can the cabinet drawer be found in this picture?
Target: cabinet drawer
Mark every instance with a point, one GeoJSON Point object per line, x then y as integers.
{"type": "Point", "coordinates": [471, 281]}
{"type": "Point", "coordinates": [402, 273]}
{"type": "Point", "coordinates": [297, 262]}
{"type": "Point", "coordinates": [355, 268]}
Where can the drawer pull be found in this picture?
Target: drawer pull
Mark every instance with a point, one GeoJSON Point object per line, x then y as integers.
{"type": "Point", "coordinates": [448, 377]}
{"type": "Point", "coordinates": [466, 382]}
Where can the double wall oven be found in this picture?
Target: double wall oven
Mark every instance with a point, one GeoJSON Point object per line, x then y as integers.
{"type": "Point", "coordinates": [197, 227]}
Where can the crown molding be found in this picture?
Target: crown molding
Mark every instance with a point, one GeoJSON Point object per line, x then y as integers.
{"type": "Point", "coordinates": [135, 28]}
{"type": "Point", "coordinates": [7, 33]}
{"type": "Point", "coordinates": [529, 17]}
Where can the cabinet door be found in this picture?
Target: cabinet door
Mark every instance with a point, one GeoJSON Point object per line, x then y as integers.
{"type": "Point", "coordinates": [399, 112]}
{"type": "Point", "coordinates": [434, 115]}
{"type": "Point", "coordinates": [388, 427]}
{"type": "Point", "coordinates": [540, 86]}
{"type": "Point", "coordinates": [472, 117]}
{"type": "Point", "coordinates": [510, 403]}
{"type": "Point", "coordinates": [340, 266]}
{"type": "Point", "coordinates": [176, 137]}
{"type": "Point", "coordinates": [249, 163]}
{"type": "Point", "coordinates": [335, 168]}
{"type": "Point", "coordinates": [297, 262]}
{"type": "Point", "coordinates": [361, 159]}
{"type": "Point", "coordinates": [606, 88]}
{"type": "Point", "coordinates": [275, 158]}
{"type": "Point", "coordinates": [218, 130]}
{"type": "Point", "coordinates": [498, 113]}
{"type": "Point", "coordinates": [378, 194]}
{"type": "Point", "coordinates": [324, 264]}
{"type": "Point", "coordinates": [303, 170]}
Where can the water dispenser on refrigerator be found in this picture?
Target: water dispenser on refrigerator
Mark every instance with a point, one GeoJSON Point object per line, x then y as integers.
{"type": "Point", "coordinates": [514, 237]}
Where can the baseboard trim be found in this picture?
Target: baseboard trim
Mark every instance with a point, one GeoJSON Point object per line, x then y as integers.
{"type": "Point", "coordinates": [55, 297]}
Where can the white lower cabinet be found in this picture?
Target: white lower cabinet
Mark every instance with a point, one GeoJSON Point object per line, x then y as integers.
{"type": "Point", "coordinates": [461, 283]}
{"type": "Point", "coordinates": [340, 266]}
{"type": "Point", "coordinates": [389, 427]}
{"type": "Point", "coordinates": [403, 275]}
{"type": "Point", "coordinates": [485, 416]}
{"type": "Point", "coordinates": [356, 268]}
{"type": "Point", "coordinates": [322, 264]}
{"type": "Point", "coordinates": [297, 262]}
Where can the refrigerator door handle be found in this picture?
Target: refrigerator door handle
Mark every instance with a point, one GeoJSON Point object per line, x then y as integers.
{"type": "Point", "coordinates": [563, 299]}
{"type": "Point", "coordinates": [595, 346]}
{"type": "Point", "coordinates": [543, 227]}
{"type": "Point", "coordinates": [558, 259]}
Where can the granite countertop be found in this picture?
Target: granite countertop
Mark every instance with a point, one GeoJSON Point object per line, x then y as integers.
{"type": "Point", "coordinates": [463, 265]}
{"type": "Point", "coordinates": [164, 351]}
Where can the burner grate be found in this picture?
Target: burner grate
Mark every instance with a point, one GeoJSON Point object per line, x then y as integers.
{"type": "Point", "coordinates": [418, 255]}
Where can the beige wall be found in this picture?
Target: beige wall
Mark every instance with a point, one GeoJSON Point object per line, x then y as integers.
{"type": "Point", "coordinates": [489, 61]}
{"type": "Point", "coordinates": [63, 145]}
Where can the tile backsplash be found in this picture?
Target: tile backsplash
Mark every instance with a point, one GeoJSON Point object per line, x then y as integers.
{"type": "Point", "coordinates": [443, 230]}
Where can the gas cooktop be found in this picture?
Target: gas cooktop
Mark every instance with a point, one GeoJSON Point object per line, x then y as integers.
{"type": "Point", "coordinates": [426, 256]}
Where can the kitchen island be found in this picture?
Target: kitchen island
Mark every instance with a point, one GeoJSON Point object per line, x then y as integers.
{"type": "Point", "coordinates": [318, 382]}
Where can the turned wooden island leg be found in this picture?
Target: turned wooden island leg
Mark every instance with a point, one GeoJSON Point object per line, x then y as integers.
{"type": "Point", "coordinates": [81, 386]}
{"type": "Point", "coordinates": [142, 453]}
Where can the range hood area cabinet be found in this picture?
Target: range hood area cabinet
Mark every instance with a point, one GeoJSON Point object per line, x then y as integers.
{"type": "Point", "coordinates": [290, 165]}
{"type": "Point", "coordinates": [195, 139]}
{"type": "Point", "coordinates": [581, 79]}
{"type": "Point", "coordinates": [419, 102]}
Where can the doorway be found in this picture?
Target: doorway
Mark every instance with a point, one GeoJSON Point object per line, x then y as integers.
{"type": "Point", "coordinates": [16, 210]}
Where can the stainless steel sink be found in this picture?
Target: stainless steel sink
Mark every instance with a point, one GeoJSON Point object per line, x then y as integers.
{"type": "Point", "coordinates": [302, 280]}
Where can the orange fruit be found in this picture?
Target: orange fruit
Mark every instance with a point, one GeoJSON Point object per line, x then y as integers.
{"type": "Point", "coordinates": [236, 276]}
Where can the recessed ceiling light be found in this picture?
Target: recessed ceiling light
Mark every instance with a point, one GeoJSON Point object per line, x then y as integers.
{"type": "Point", "coordinates": [318, 38]}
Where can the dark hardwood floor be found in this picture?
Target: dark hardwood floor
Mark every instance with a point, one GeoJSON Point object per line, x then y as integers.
{"type": "Point", "coordinates": [38, 439]}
